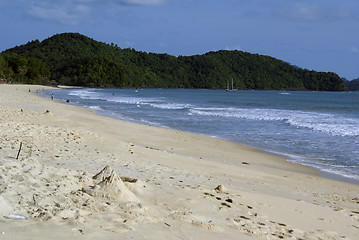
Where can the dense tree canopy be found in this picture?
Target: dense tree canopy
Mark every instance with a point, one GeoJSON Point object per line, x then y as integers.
{"type": "Point", "coordinates": [353, 85]}
{"type": "Point", "coordinates": [21, 69]}
{"type": "Point", "coordinates": [74, 59]}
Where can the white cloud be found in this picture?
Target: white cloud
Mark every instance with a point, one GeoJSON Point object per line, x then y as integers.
{"type": "Point", "coordinates": [300, 11]}
{"type": "Point", "coordinates": [129, 44]}
{"type": "Point", "coordinates": [237, 47]}
{"type": "Point", "coordinates": [86, 1]}
{"type": "Point", "coordinates": [354, 50]}
{"type": "Point", "coordinates": [63, 13]}
{"type": "Point", "coordinates": [143, 2]}
{"type": "Point", "coordinates": [311, 11]}
{"type": "Point", "coordinates": [74, 11]}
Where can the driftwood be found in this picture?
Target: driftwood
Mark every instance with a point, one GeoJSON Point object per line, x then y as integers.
{"type": "Point", "coordinates": [18, 153]}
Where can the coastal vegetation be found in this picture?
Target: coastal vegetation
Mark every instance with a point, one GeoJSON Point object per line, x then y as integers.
{"type": "Point", "coordinates": [353, 85]}
{"type": "Point", "coordinates": [20, 69]}
{"type": "Point", "coordinates": [74, 59]}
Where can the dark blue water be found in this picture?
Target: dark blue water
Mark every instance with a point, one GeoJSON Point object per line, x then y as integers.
{"type": "Point", "coordinates": [318, 129]}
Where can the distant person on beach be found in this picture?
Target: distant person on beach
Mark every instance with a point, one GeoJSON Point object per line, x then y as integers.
{"type": "Point", "coordinates": [52, 96]}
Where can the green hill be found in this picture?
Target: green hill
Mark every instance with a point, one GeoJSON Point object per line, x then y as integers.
{"type": "Point", "coordinates": [74, 59]}
{"type": "Point", "coordinates": [353, 85]}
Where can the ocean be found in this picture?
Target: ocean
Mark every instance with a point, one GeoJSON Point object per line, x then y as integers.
{"type": "Point", "coordinates": [316, 129]}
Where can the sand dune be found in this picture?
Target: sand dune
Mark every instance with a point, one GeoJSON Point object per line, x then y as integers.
{"type": "Point", "coordinates": [84, 176]}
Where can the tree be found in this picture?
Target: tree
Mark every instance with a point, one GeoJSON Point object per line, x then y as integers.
{"type": "Point", "coordinates": [75, 59]}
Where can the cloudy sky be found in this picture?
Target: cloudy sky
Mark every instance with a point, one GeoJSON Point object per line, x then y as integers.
{"type": "Point", "coordinates": [322, 35]}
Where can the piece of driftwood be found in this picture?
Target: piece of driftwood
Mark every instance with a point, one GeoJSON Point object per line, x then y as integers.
{"type": "Point", "coordinates": [18, 153]}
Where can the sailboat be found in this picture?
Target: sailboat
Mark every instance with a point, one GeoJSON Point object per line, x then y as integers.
{"type": "Point", "coordinates": [230, 89]}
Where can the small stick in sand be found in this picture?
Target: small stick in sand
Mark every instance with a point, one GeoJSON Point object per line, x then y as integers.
{"type": "Point", "coordinates": [18, 153]}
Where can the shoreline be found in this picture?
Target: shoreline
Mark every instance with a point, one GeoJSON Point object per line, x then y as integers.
{"type": "Point", "coordinates": [252, 148]}
{"type": "Point", "coordinates": [318, 171]}
{"type": "Point", "coordinates": [174, 184]}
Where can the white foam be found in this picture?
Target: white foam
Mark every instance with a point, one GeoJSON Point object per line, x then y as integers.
{"type": "Point", "coordinates": [97, 108]}
{"type": "Point", "coordinates": [171, 106]}
{"type": "Point", "coordinates": [152, 102]}
{"type": "Point", "coordinates": [324, 165]}
{"type": "Point", "coordinates": [132, 100]}
{"type": "Point", "coordinates": [327, 123]}
{"type": "Point", "coordinates": [86, 94]}
{"type": "Point", "coordinates": [319, 122]}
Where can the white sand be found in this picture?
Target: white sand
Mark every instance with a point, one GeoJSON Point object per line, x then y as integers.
{"type": "Point", "coordinates": [159, 183]}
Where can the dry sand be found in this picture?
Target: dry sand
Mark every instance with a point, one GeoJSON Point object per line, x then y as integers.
{"type": "Point", "coordinates": [84, 176]}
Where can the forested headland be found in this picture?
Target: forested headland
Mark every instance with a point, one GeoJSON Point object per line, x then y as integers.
{"type": "Point", "coordinates": [352, 85]}
{"type": "Point", "coordinates": [77, 60]}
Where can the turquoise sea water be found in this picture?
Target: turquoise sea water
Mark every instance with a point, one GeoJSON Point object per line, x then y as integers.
{"type": "Point", "coordinates": [318, 129]}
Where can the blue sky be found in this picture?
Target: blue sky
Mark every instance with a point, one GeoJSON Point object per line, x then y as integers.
{"type": "Point", "coordinates": [322, 35]}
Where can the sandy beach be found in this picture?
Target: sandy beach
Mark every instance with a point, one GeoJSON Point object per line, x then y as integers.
{"type": "Point", "coordinates": [80, 175]}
